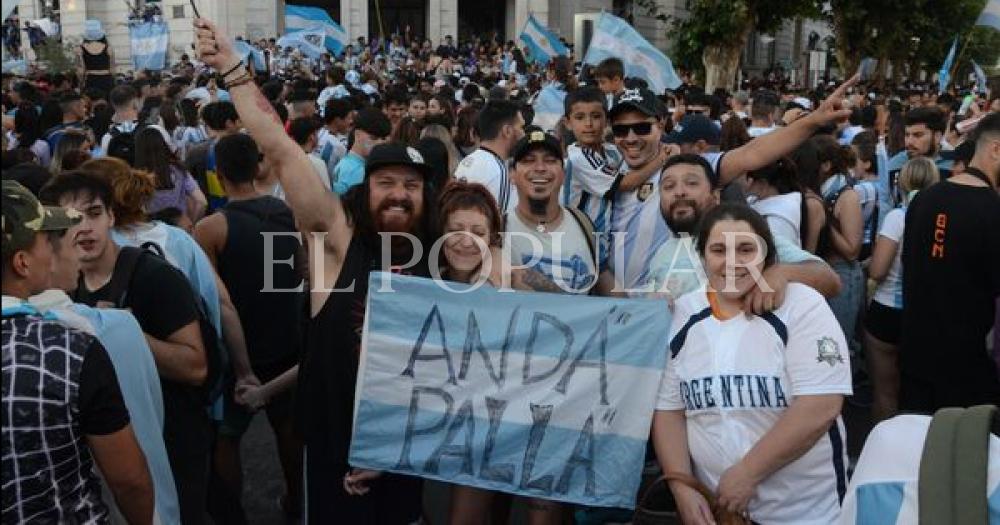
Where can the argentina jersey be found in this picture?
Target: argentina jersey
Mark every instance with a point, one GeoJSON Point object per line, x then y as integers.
{"type": "Point", "coordinates": [487, 168]}
{"type": "Point", "coordinates": [590, 177]}
{"type": "Point", "coordinates": [895, 165]}
{"type": "Point", "coordinates": [735, 377]}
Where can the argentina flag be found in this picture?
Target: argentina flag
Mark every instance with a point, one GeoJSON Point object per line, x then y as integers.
{"type": "Point", "coordinates": [614, 37]}
{"type": "Point", "coordinates": [991, 15]}
{"type": "Point", "coordinates": [543, 43]}
{"type": "Point", "coordinates": [308, 41]}
{"type": "Point", "coordinates": [549, 107]}
{"type": "Point", "coordinates": [980, 77]}
{"type": "Point", "coordinates": [300, 18]}
{"type": "Point", "coordinates": [944, 75]}
{"type": "Point", "coordinates": [251, 54]}
{"type": "Point", "coordinates": [149, 45]}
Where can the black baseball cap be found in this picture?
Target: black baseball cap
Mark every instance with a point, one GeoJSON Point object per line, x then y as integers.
{"type": "Point", "coordinates": [535, 138]}
{"type": "Point", "coordinates": [694, 128]}
{"type": "Point", "coordinates": [396, 154]}
{"type": "Point", "coordinates": [638, 99]}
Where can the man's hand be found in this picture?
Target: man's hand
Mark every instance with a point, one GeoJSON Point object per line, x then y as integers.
{"type": "Point", "coordinates": [792, 115]}
{"type": "Point", "coordinates": [213, 47]}
{"type": "Point", "coordinates": [357, 481]}
{"type": "Point", "coordinates": [768, 294]}
{"type": "Point", "coordinates": [834, 108]}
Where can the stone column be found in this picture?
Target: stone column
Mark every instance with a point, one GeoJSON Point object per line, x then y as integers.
{"type": "Point", "coordinates": [354, 14]}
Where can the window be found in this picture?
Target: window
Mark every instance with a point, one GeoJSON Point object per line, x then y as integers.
{"type": "Point", "coordinates": [178, 11]}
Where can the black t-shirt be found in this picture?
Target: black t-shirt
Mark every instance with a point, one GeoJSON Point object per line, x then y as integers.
{"type": "Point", "coordinates": [951, 280]}
{"type": "Point", "coordinates": [102, 408]}
{"type": "Point", "coordinates": [163, 302]}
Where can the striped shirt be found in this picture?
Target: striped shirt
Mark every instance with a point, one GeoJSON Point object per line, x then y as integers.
{"type": "Point", "coordinates": [487, 168]}
{"type": "Point", "coordinates": [590, 176]}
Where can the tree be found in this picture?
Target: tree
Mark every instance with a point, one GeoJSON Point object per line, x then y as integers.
{"type": "Point", "coordinates": [914, 32]}
{"type": "Point", "coordinates": [57, 56]}
{"type": "Point", "coordinates": [717, 31]}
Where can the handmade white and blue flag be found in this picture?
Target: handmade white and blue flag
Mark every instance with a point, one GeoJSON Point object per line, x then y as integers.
{"type": "Point", "coordinates": [614, 37]}
{"type": "Point", "coordinates": [543, 395]}
{"type": "Point", "coordinates": [251, 54]}
{"type": "Point", "coordinates": [944, 75]}
{"type": "Point", "coordinates": [149, 45]}
{"type": "Point", "coordinates": [549, 107]}
{"type": "Point", "coordinates": [991, 15]}
{"type": "Point", "coordinates": [300, 18]}
{"type": "Point", "coordinates": [541, 41]}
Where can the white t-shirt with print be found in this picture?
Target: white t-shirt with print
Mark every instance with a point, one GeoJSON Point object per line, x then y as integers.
{"type": "Point", "coordinates": [564, 256]}
{"type": "Point", "coordinates": [735, 378]}
{"type": "Point", "coordinates": [783, 214]}
{"type": "Point", "coordinates": [890, 290]}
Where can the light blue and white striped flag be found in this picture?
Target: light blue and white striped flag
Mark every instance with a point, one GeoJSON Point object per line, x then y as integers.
{"type": "Point", "coordinates": [308, 41]}
{"type": "Point", "coordinates": [991, 15]}
{"type": "Point", "coordinates": [544, 395]}
{"type": "Point", "coordinates": [614, 37]}
{"type": "Point", "coordinates": [944, 75]}
{"type": "Point", "coordinates": [300, 18]}
{"type": "Point", "coordinates": [980, 77]}
{"type": "Point", "coordinates": [248, 51]}
{"type": "Point", "coordinates": [149, 45]}
{"type": "Point", "coordinates": [543, 43]}
{"type": "Point", "coordinates": [8, 8]}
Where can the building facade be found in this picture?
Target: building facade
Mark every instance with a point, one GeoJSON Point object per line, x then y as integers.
{"type": "Point", "coordinates": [787, 49]}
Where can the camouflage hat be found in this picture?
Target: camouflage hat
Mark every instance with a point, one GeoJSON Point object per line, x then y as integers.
{"type": "Point", "coordinates": [23, 216]}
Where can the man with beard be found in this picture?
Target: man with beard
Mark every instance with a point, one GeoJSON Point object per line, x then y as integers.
{"type": "Point", "coordinates": [951, 282]}
{"type": "Point", "coordinates": [350, 239]}
{"type": "Point", "coordinates": [923, 130]}
{"type": "Point", "coordinates": [688, 190]}
{"type": "Point", "coordinates": [570, 258]}
{"type": "Point", "coordinates": [635, 122]}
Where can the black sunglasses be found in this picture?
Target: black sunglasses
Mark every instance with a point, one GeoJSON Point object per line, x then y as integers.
{"type": "Point", "coordinates": [640, 128]}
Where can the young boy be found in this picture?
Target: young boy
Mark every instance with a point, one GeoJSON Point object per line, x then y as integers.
{"type": "Point", "coordinates": [593, 164]}
{"type": "Point", "coordinates": [610, 77]}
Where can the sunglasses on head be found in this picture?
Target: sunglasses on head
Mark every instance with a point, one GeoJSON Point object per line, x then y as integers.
{"type": "Point", "coordinates": [639, 128]}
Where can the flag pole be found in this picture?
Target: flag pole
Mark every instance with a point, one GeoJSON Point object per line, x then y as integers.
{"type": "Point", "coordinates": [958, 58]}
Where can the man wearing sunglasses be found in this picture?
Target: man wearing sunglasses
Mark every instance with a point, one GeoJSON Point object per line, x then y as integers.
{"type": "Point", "coordinates": [638, 225]}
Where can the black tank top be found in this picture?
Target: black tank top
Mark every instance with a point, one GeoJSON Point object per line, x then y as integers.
{"type": "Point", "coordinates": [329, 367]}
{"type": "Point", "coordinates": [271, 320]}
{"type": "Point", "coordinates": [96, 62]}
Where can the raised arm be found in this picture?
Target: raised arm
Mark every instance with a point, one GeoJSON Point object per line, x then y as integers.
{"type": "Point", "coordinates": [316, 210]}
{"type": "Point", "coordinates": [768, 148]}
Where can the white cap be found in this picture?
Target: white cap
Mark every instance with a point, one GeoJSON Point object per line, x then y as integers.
{"type": "Point", "coordinates": [804, 102]}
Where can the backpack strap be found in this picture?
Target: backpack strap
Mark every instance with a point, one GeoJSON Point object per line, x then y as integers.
{"type": "Point", "coordinates": [972, 448]}
{"type": "Point", "coordinates": [588, 230]}
{"type": "Point", "coordinates": [952, 482]}
{"type": "Point", "coordinates": [121, 277]}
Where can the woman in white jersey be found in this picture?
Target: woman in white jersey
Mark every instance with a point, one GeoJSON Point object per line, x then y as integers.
{"type": "Point", "coordinates": [885, 313]}
{"type": "Point", "coordinates": [750, 405]}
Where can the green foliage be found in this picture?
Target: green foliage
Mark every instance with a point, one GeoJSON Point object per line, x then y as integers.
{"type": "Point", "coordinates": [727, 23]}
{"type": "Point", "coordinates": [918, 32]}
{"type": "Point", "coordinates": [57, 57]}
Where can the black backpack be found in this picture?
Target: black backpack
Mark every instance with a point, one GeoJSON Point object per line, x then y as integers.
{"type": "Point", "coordinates": [122, 144]}
{"type": "Point", "coordinates": [118, 287]}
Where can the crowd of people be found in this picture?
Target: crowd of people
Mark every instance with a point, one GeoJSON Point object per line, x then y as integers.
{"type": "Point", "coordinates": [812, 246]}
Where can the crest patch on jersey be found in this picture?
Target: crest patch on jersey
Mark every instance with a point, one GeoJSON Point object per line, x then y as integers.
{"type": "Point", "coordinates": [828, 351]}
{"type": "Point", "coordinates": [644, 191]}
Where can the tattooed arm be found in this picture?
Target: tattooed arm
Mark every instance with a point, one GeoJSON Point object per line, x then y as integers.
{"type": "Point", "coordinates": [316, 209]}
{"type": "Point", "coordinates": [532, 280]}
